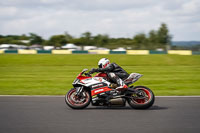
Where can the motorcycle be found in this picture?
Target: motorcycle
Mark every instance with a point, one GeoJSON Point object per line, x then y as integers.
{"type": "Point", "coordinates": [99, 91]}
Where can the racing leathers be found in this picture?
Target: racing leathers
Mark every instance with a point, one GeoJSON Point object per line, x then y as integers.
{"type": "Point", "coordinates": [116, 74]}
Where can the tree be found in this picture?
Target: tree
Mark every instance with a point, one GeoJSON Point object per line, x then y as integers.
{"type": "Point", "coordinates": [87, 35]}
{"type": "Point", "coordinates": [24, 37]}
{"type": "Point", "coordinates": [140, 40]}
{"type": "Point", "coordinates": [101, 40]}
{"type": "Point", "coordinates": [153, 40]}
{"type": "Point", "coordinates": [57, 40]}
{"type": "Point", "coordinates": [35, 39]}
{"type": "Point", "coordinates": [159, 38]}
{"type": "Point", "coordinates": [163, 36]}
{"type": "Point", "coordinates": [86, 38]}
{"type": "Point", "coordinates": [68, 37]}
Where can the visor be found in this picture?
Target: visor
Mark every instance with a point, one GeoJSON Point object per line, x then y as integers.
{"type": "Point", "coordinates": [100, 66]}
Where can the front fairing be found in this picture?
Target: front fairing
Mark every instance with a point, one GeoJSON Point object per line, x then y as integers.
{"type": "Point", "coordinates": [95, 81]}
{"type": "Point", "coordinates": [76, 81]}
{"type": "Point", "coordinates": [90, 82]}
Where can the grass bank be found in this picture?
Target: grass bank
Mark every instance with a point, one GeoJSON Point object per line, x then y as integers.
{"type": "Point", "coordinates": [53, 74]}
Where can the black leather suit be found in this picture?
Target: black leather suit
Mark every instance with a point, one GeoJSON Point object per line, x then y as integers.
{"type": "Point", "coordinates": [115, 73]}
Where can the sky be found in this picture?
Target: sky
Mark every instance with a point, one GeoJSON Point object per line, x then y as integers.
{"type": "Point", "coordinates": [117, 18]}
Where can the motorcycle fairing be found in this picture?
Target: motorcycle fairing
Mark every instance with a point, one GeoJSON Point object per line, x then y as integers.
{"type": "Point", "coordinates": [95, 80]}
{"type": "Point", "coordinates": [100, 90]}
{"type": "Point", "coordinates": [97, 84]}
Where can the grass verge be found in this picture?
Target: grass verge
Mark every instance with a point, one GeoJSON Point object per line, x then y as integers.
{"type": "Point", "coordinates": [53, 74]}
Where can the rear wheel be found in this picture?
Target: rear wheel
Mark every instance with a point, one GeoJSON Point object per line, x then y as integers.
{"type": "Point", "coordinates": [77, 102]}
{"type": "Point", "coordinates": [142, 99]}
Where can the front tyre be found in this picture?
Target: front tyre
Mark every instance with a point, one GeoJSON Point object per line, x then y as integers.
{"type": "Point", "coordinates": [142, 99]}
{"type": "Point", "coordinates": [77, 102]}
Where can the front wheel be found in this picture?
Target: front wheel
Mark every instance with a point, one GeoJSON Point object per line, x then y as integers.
{"type": "Point", "coordinates": [77, 102]}
{"type": "Point", "coordinates": [142, 99]}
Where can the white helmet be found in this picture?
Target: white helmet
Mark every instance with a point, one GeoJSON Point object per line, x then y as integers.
{"type": "Point", "coordinates": [103, 63]}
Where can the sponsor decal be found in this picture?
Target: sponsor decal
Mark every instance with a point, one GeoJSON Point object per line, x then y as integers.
{"type": "Point", "coordinates": [98, 79]}
{"type": "Point", "coordinates": [86, 79]}
{"type": "Point", "coordinates": [94, 96]}
{"type": "Point", "coordinates": [96, 91]}
{"type": "Point", "coordinates": [100, 90]}
{"type": "Point", "coordinates": [96, 86]}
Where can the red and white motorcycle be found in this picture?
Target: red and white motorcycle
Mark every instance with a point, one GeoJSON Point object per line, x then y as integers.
{"type": "Point", "coordinates": [100, 92]}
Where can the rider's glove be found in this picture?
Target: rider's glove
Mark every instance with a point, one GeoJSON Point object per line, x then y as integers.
{"type": "Point", "coordinates": [93, 70]}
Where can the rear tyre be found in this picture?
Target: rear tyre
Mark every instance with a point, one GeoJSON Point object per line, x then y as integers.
{"type": "Point", "coordinates": [143, 99]}
{"type": "Point", "coordinates": [77, 102]}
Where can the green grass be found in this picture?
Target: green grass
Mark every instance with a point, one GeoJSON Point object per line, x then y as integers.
{"type": "Point", "coordinates": [53, 74]}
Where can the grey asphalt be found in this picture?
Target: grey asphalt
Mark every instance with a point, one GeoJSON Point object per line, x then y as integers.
{"type": "Point", "coordinates": [52, 115]}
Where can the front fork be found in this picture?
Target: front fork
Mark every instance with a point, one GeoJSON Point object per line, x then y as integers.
{"type": "Point", "coordinates": [79, 91]}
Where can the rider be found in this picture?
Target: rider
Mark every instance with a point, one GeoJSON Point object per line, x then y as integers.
{"type": "Point", "coordinates": [114, 72]}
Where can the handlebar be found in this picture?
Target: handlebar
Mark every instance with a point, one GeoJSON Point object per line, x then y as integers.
{"type": "Point", "coordinates": [88, 74]}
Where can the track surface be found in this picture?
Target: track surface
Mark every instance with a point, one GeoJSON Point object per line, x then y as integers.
{"type": "Point", "coordinates": [51, 115]}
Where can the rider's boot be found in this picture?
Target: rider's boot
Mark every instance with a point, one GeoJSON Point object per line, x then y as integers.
{"type": "Point", "coordinates": [121, 86]}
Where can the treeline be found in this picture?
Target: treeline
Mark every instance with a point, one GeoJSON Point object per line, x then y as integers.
{"type": "Point", "coordinates": [159, 38]}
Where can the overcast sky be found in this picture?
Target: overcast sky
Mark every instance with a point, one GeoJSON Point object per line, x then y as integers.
{"type": "Point", "coordinates": [117, 18]}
